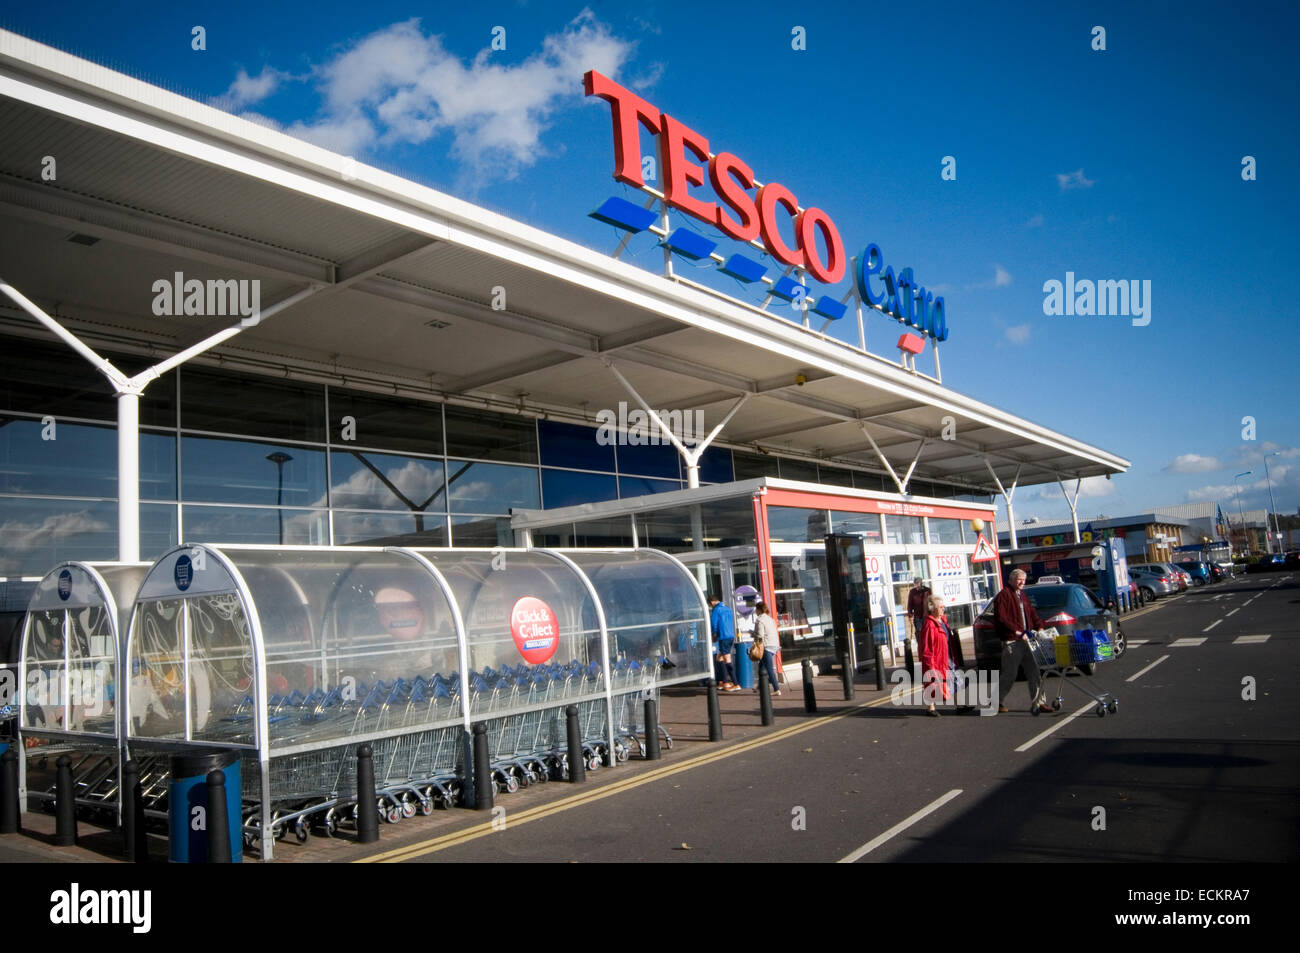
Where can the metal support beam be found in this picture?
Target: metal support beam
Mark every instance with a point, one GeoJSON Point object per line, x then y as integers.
{"type": "Point", "coordinates": [883, 459]}
{"type": "Point", "coordinates": [1073, 501]}
{"type": "Point", "coordinates": [1007, 496]}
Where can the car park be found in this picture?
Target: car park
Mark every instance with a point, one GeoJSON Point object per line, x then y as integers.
{"type": "Point", "coordinates": [1066, 607]}
{"type": "Point", "coordinates": [1152, 583]}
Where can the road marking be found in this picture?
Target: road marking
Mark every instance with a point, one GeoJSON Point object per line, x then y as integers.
{"type": "Point", "coordinates": [1211, 625]}
{"type": "Point", "coordinates": [1060, 724]}
{"type": "Point", "coordinates": [517, 819]}
{"type": "Point", "coordinates": [1189, 643]}
{"type": "Point", "coordinates": [1232, 613]}
{"type": "Point", "coordinates": [901, 826]}
{"type": "Point", "coordinates": [1250, 639]}
{"type": "Point", "coordinates": [1136, 642]}
{"type": "Point", "coordinates": [1134, 677]}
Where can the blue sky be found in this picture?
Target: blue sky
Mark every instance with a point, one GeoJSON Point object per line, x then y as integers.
{"type": "Point", "coordinates": [1117, 164]}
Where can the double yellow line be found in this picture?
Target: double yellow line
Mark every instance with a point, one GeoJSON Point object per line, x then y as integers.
{"type": "Point", "coordinates": [518, 819]}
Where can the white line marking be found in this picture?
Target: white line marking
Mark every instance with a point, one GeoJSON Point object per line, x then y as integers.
{"type": "Point", "coordinates": [1211, 625]}
{"type": "Point", "coordinates": [1135, 676]}
{"type": "Point", "coordinates": [1189, 643]}
{"type": "Point", "coordinates": [1232, 613]}
{"type": "Point", "coordinates": [898, 828]}
{"type": "Point", "coordinates": [1060, 724]}
{"type": "Point", "coordinates": [1134, 642]}
{"type": "Point", "coordinates": [1250, 639]}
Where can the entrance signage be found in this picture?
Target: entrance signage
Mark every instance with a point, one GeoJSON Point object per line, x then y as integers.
{"type": "Point", "coordinates": [818, 249]}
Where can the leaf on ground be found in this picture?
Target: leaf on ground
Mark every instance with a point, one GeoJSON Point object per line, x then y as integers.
{"type": "Point", "coordinates": [685, 846]}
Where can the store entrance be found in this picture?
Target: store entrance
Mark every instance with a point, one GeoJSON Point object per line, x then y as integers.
{"type": "Point", "coordinates": [851, 598]}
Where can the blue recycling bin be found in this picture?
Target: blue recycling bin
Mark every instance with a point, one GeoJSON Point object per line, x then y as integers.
{"type": "Point", "coordinates": [188, 807]}
{"type": "Point", "coordinates": [745, 676]}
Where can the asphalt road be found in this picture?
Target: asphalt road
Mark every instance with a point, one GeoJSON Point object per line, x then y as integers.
{"type": "Point", "coordinates": [1200, 764]}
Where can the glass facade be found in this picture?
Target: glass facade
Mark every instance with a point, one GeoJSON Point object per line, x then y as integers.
{"type": "Point", "coordinates": [236, 457]}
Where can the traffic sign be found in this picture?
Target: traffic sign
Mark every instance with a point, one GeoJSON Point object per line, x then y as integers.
{"type": "Point", "coordinates": [984, 553]}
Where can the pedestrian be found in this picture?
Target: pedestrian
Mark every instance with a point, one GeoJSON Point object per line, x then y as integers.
{"type": "Point", "coordinates": [1014, 619]}
{"type": "Point", "coordinates": [934, 653]}
{"type": "Point", "coordinates": [916, 604]}
{"type": "Point", "coordinates": [767, 633]}
{"type": "Point", "coordinates": [723, 625]}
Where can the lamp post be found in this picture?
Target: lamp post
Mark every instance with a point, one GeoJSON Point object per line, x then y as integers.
{"type": "Point", "coordinates": [1271, 504]}
{"type": "Point", "coordinates": [1241, 520]}
{"type": "Point", "coordinates": [279, 458]}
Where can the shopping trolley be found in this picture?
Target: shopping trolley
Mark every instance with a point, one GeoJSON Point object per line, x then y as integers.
{"type": "Point", "coordinates": [1062, 654]}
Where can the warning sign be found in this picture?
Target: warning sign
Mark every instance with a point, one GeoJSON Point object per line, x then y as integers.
{"type": "Point", "coordinates": [983, 552]}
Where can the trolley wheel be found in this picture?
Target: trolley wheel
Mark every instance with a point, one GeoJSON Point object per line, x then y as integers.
{"type": "Point", "coordinates": [1113, 706]}
{"type": "Point", "coordinates": [1034, 709]}
{"type": "Point", "coordinates": [426, 806]}
{"type": "Point", "coordinates": [622, 752]}
{"type": "Point", "coordinates": [301, 830]}
{"type": "Point", "coordinates": [278, 830]}
{"type": "Point", "coordinates": [1101, 710]}
{"type": "Point", "coordinates": [512, 784]}
{"type": "Point", "coordinates": [668, 742]}
{"type": "Point", "coordinates": [1056, 705]}
{"type": "Point", "coordinates": [409, 806]}
{"type": "Point", "coordinates": [594, 762]}
{"type": "Point", "coordinates": [454, 791]}
{"type": "Point", "coordinates": [392, 814]}
{"type": "Point", "coordinates": [331, 822]}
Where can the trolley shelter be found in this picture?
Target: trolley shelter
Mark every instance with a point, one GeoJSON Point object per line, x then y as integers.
{"type": "Point", "coordinates": [70, 672]}
{"type": "Point", "coordinates": [294, 656]}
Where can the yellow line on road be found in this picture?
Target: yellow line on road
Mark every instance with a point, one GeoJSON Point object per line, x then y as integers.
{"type": "Point", "coordinates": [516, 819]}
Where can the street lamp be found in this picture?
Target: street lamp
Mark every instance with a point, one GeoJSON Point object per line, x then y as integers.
{"type": "Point", "coordinates": [1272, 505]}
{"type": "Point", "coordinates": [279, 458]}
{"type": "Point", "coordinates": [1241, 519]}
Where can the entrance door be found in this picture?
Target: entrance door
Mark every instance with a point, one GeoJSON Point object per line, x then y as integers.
{"type": "Point", "coordinates": [850, 598]}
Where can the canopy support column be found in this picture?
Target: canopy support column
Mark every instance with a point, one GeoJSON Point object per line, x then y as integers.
{"type": "Point", "coordinates": [128, 391]}
{"type": "Point", "coordinates": [690, 457]}
{"type": "Point", "coordinates": [1007, 495]}
{"type": "Point", "coordinates": [1074, 503]}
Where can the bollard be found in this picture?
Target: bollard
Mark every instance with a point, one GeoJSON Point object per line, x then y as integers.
{"type": "Point", "coordinates": [715, 713]}
{"type": "Point", "coordinates": [218, 820]}
{"type": "Point", "coordinates": [484, 788]}
{"type": "Point", "coordinates": [9, 791]}
{"type": "Point", "coordinates": [367, 803]}
{"type": "Point", "coordinates": [132, 815]}
{"type": "Point", "coordinates": [651, 730]}
{"type": "Point", "coordinates": [880, 667]}
{"type": "Point", "coordinates": [846, 673]}
{"type": "Point", "coordinates": [809, 689]}
{"type": "Point", "coordinates": [577, 760]}
{"type": "Point", "coordinates": [65, 805]}
{"type": "Point", "coordinates": [908, 660]}
{"type": "Point", "coordinates": [764, 697]}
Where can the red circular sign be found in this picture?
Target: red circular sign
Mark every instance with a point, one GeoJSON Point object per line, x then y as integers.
{"type": "Point", "coordinates": [535, 629]}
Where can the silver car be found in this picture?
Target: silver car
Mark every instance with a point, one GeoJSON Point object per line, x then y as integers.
{"type": "Point", "coordinates": [1152, 583]}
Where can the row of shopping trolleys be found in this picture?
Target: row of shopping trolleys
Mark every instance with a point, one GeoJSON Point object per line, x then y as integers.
{"type": "Point", "coordinates": [523, 708]}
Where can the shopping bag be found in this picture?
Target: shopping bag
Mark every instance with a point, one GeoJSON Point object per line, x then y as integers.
{"type": "Point", "coordinates": [1089, 646]}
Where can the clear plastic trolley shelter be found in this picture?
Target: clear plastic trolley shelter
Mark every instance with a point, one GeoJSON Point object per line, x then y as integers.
{"type": "Point", "coordinates": [296, 655]}
{"type": "Point", "coordinates": [70, 672]}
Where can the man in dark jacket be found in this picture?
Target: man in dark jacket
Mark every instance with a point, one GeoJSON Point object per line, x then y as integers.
{"type": "Point", "coordinates": [1014, 619]}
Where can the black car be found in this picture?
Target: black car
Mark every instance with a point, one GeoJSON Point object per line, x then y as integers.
{"type": "Point", "coordinates": [1061, 606]}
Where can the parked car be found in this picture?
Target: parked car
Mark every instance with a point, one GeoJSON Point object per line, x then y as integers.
{"type": "Point", "coordinates": [1062, 606]}
{"type": "Point", "coordinates": [1199, 571]}
{"type": "Point", "coordinates": [1152, 583]}
{"type": "Point", "coordinates": [1181, 580]}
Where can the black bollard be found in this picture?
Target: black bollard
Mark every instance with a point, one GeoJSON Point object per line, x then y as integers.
{"type": "Point", "coordinates": [65, 805]}
{"type": "Point", "coordinates": [846, 673]}
{"type": "Point", "coordinates": [880, 667]}
{"type": "Point", "coordinates": [9, 791]}
{"type": "Point", "coordinates": [218, 819]}
{"type": "Point", "coordinates": [809, 689]}
{"type": "Point", "coordinates": [367, 803]}
{"type": "Point", "coordinates": [715, 712]}
{"type": "Point", "coordinates": [764, 697]}
{"type": "Point", "coordinates": [577, 760]}
{"type": "Point", "coordinates": [130, 795]}
{"type": "Point", "coordinates": [651, 730]}
{"type": "Point", "coordinates": [908, 660]}
{"type": "Point", "coordinates": [484, 790]}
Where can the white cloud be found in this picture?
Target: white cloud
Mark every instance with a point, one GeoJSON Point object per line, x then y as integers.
{"type": "Point", "coordinates": [1092, 486]}
{"type": "Point", "coordinates": [1019, 334]}
{"type": "Point", "coordinates": [1192, 463]}
{"type": "Point", "coordinates": [401, 86]}
{"type": "Point", "coordinates": [1074, 180]}
{"type": "Point", "coordinates": [1035, 222]}
{"type": "Point", "coordinates": [246, 90]}
{"type": "Point", "coordinates": [1001, 277]}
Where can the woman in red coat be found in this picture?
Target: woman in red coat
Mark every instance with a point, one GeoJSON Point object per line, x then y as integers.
{"type": "Point", "coordinates": [934, 652]}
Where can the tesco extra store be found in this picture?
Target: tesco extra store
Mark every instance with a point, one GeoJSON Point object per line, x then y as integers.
{"type": "Point", "coordinates": [421, 369]}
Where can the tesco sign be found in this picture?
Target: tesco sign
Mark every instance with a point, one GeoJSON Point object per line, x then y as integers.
{"type": "Point", "coordinates": [818, 249]}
